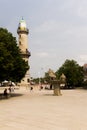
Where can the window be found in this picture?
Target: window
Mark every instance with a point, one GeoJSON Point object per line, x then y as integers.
{"type": "Point", "coordinates": [19, 43]}
{"type": "Point", "coordinates": [19, 36]}
{"type": "Point", "coordinates": [28, 80]}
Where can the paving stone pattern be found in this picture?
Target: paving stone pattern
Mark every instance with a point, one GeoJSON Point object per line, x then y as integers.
{"type": "Point", "coordinates": [40, 110]}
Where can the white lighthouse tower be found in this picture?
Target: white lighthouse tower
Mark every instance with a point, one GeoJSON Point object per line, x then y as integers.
{"type": "Point", "coordinates": [23, 45]}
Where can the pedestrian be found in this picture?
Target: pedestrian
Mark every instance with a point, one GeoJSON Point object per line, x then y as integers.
{"type": "Point", "coordinates": [6, 93]}
{"type": "Point", "coordinates": [41, 87]}
{"type": "Point", "coordinates": [9, 89]}
{"type": "Point", "coordinates": [31, 88]}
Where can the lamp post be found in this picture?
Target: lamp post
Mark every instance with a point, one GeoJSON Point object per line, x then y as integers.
{"type": "Point", "coordinates": [39, 77]}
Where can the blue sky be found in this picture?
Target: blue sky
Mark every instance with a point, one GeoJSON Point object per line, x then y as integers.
{"type": "Point", "coordinates": [58, 30]}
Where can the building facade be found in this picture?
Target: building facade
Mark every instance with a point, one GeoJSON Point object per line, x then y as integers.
{"type": "Point", "coordinates": [23, 32]}
{"type": "Point", "coordinates": [85, 71]}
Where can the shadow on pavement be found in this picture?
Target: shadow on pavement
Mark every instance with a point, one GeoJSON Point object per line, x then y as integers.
{"type": "Point", "coordinates": [48, 94]}
{"type": "Point", "coordinates": [10, 95]}
{"type": "Point", "coordinates": [16, 94]}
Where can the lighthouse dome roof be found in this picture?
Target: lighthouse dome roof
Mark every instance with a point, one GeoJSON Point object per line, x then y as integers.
{"type": "Point", "coordinates": [22, 24]}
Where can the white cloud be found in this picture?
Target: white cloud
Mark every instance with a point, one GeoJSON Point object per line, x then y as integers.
{"type": "Point", "coordinates": [47, 26]}
{"type": "Point", "coordinates": [83, 58]}
{"type": "Point", "coordinates": [82, 9]}
{"type": "Point", "coordinates": [42, 54]}
{"type": "Point", "coordinates": [52, 33]}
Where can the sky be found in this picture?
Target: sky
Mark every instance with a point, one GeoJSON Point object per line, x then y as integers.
{"type": "Point", "coordinates": [57, 30]}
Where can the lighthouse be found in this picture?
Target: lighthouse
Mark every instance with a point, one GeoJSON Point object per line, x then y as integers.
{"type": "Point", "coordinates": [23, 32]}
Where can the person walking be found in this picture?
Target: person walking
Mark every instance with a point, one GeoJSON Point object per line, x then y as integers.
{"type": "Point", "coordinates": [6, 93]}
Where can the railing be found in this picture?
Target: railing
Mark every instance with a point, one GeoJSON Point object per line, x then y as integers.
{"type": "Point", "coordinates": [24, 30]}
{"type": "Point", "coordinates": [26, 53]}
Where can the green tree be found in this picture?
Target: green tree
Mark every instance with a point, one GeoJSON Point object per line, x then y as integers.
{"type": "Point", "coordinates": [12, 66]}
{"type": "Point", "coordinates": [72, 71]}
{"type": "Point", "coordinates": [47, 78]}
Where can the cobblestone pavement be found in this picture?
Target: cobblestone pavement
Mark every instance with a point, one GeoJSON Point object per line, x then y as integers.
{"type": "Point", "coordinates": [40, 110]}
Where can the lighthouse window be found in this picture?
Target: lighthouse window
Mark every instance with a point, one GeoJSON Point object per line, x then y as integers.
{"type": "Point", "coordinates": [19, 43]}
{"type": "Point", "coordinates": [28, 80]}
{"type": "Point", "coordinates": [20, 36]}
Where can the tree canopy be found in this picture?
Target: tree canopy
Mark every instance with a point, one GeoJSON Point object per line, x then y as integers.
{"type": "Point", "coordinates": [72, 71]}
{"type": "Point", "coordinates": [12, 66]}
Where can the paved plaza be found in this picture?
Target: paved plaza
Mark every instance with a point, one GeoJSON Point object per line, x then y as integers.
{"type": "Point", "coordinates": [40, 110]}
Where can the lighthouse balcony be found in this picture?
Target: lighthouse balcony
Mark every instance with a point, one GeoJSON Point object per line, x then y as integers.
{"type": "Point", "coordinates": [26, 54]}
{"type": "Point", "coordinates": [22, 30]}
